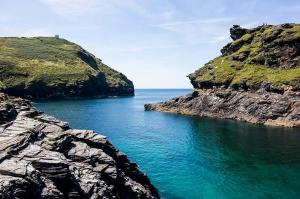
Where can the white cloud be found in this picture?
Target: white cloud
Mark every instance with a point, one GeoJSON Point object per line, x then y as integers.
{"type": "Point", "coordinates": [196, 21]}
{"type": "Point", "coordinates": [168, 14]}
{"type": "Point", "coordinates": [77, 8]}
{"type": "Point", "coordinates": [206, 30]}
{"type": "Point", "coordinates": [71, 7]}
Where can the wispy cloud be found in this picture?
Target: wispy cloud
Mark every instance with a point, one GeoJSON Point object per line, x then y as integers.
{"type": "Point", "coordinates": [73, 8]}
{"type": "Point", "coordinates": [77, 8]}
{"type": "Point", "coordinates": [204, 30]}
{"type": "Point", "coordinates": [70, 7]}
{"type": "Point", "coordinates": [168, 15]}
{"type": "Point", "coordinates": [196, 21]}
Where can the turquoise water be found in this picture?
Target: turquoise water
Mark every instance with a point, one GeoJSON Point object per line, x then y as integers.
{"type": "Point", "coordinates": [188, 157]}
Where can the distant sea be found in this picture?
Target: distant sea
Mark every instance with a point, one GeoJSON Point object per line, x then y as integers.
{"type": "Point", "coordinates": [189, 157]}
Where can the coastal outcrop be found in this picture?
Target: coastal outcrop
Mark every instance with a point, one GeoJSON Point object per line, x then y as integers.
{"type": "Point", "coordinates": [256, 79]}
{"type": "Point", "coordinates": [42, 157]}
{"type": "Point", "coordinates": [259, 107]}
{"type": "Point", "coordinates": [50, 67]}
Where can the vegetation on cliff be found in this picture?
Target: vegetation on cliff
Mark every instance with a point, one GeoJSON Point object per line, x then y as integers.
{"type": "Point", "coordinates": [42, 67]}
{"type": "Point", "coordinates": [256, 79]}
{"type": "Point", "coordinates": [267, 56]}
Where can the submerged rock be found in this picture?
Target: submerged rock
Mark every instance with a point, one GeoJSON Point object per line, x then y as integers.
{"type": "Point", "coordinates": [42, 157]}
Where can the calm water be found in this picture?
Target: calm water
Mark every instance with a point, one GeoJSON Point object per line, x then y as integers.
{"type": "Point", "coordinates": [188, 157]}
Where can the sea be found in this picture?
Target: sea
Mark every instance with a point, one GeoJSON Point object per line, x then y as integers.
{"type": "Point", "coordinates": [191, 157]}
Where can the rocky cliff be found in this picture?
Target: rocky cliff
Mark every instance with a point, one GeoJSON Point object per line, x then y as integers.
{"type": "Point", "coordinates": [42, 157]}
{"type": "Point", "coordinates": [256, 79]}
{"type": "Point", "coordinates": [48, 67]}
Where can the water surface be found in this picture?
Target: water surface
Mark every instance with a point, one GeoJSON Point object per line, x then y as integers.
{"type": "Point", "coordinates": [188, 157]}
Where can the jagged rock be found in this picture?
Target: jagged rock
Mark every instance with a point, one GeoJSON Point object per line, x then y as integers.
{"type": "Point", "coordinates": [42, 157]}
{"type": "Point", "coordinates": [260, 107]}
{"type": "Point", "coordinates": [256, 79]}
{"type": "Point", "coordinates": [237, 32]}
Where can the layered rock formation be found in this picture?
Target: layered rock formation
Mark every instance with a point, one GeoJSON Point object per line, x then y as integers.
{"type": "Point", "coordinates": [48, 67]}
{"type": "Point", "coordinates": [259, 107]}
{"type": "Point", "coordinates": [42, 157]}
{"type": "Point", "coordinates": [256, 79]}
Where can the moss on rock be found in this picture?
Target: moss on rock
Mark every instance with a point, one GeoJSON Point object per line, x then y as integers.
{"type": "Point", "coordinates": [263, 55]}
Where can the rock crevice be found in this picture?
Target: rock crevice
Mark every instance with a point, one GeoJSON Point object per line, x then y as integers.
{"type": "Point", "coordinates": [261, 107]}
{"type": "Point", "coordinates": [42, 157]}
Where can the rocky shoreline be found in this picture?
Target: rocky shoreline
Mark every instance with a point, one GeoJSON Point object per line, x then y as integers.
{"type": "Point", "coordinates": [255, 79]}
{"type": "Point", "coordinates": [42, 157]}
{"type": "Point", "coordinates": [259, 107]}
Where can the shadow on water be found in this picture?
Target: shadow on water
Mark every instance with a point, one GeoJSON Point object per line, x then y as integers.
{"type": "Point", "coordinates": [250, 160]}
{"type": "Point", "coordinates": [268, 144]}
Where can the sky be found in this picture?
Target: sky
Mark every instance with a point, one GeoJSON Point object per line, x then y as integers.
{"type": "Point", "coordinates": [155, 43]}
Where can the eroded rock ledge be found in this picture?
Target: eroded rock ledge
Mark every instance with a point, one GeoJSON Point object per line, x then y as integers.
{"type": "Point", "coordinates": [42, 157]}
{"type": "Point", "coordinates": [256, 79]}
{"type": "Point", "coordinates": [261, 107]}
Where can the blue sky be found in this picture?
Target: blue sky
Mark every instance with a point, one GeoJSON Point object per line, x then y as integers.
{"type": "Point", "coordinates": [156, 43]}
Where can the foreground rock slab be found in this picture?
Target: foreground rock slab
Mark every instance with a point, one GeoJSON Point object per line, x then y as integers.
{"type": "Point", "coordinates": [260, 107]}
{"type": "Point", "coordinates": [42, 157]}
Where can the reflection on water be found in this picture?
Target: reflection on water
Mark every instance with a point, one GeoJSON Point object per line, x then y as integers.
{"type": "Point", "coordinates": [189, 157]}
{"type": "Point", "coordinates": [276, 145]}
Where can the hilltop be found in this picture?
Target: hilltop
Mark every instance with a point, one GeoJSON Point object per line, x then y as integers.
{"type": "Point", "coordinates": [45, 67]}
{"type": "Point", "coordinates": [266, 56]}
{"type": "Point", "coordinates": [256, 79]}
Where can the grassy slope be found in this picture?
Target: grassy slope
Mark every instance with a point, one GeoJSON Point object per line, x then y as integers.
{"type": "Point", "coordinates": [227, 70]}
{"type": "Point", "coordinates": [54, 61]}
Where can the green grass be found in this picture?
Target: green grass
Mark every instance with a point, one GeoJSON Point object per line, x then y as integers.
{"type": "Point", "coordinates": [255, 75]}
{"type": "Point", "coordinates": [225, 71]}
{"type": "Point", "coordinates": [245, 39]}
{"type": "Point", "coordinates": [295, 32]}
{"type": "Point", "coordinates": [51, 60]}
{"type": "Point", "coordinates": [229, 70]}
{"type": "Point", "coordinates": [222, 71]}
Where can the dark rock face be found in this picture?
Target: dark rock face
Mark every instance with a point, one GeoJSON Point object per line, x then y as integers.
{"type": "Point", "coordinates": [259, 107]}
{"type": "Point", "coordinates": [237, 32]}
{"type": "Point", "coordinates": [41, 157]}
{"type": "Point", "coordinates": [281, 52]}
{"type": "Point", "coordinates": [95, 86]}
{"type": "Point", "coordinates": [280, 46]}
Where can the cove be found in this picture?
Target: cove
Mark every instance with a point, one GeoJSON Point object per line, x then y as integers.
{"type": "Point", "coordinates": [189, 157]}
